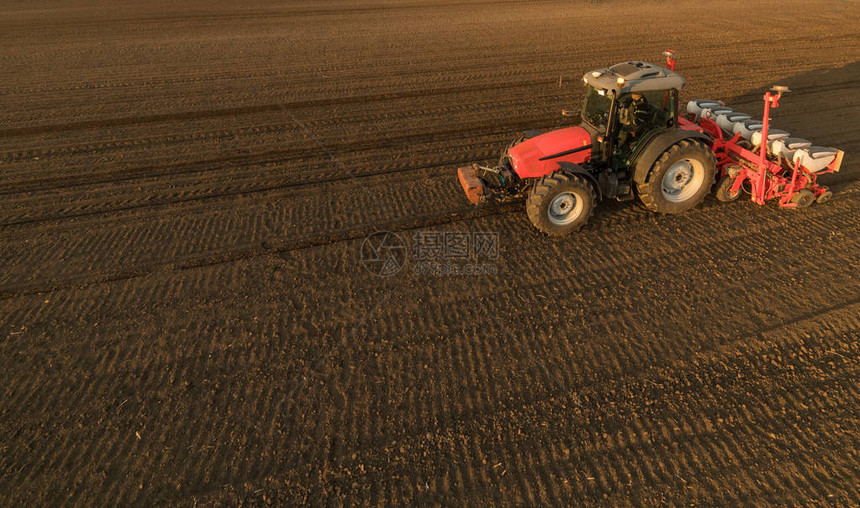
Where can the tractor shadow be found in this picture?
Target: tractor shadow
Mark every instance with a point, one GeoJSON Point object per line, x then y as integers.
{"type": "Point", "coordinates": [822, 107]}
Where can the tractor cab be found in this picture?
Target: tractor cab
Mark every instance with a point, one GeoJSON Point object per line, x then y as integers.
{"type": "Point", "coordinates": [625, 104]}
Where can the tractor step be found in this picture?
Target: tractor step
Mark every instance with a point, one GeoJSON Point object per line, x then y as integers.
{"type": "Point", "coordinates": [472, 185]}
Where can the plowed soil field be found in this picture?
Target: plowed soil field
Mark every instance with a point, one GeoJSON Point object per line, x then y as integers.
{"type": "Point", "coordinates": [185, 316]}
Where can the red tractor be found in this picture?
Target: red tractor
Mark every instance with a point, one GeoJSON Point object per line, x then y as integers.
{"type": "Point", "coordinates": [634, 143]}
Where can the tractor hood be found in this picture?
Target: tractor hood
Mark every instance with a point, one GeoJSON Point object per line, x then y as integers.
{"type": "Point", "coordinates": [525, 157]}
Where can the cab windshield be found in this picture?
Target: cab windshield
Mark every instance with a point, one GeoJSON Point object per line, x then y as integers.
{"type": "Point", "coordinates": [595, 110]}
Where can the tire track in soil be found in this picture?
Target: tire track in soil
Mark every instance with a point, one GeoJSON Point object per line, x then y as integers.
{"type": "Point", "coordinates": [180, 137]}
{"type": "Point", "coordinates": [25, 221]}
{"type": "Point", "coordinates": [651, 221]}
{"type": "Point", "coordinates": [268, 157]}
{"type": "Point", "coordinates": [658, 355]}
{"type": "Point", "coordinates": [415, 221]}
{"type": "Point", "coordinates": [264, 108]}
{"type": "Point", "coordinates": [546, 385]}
{"type": "Point", "coordinates": [669, 402]}
{"type": "Point", "coordinates": [265, 14]}
{"type": "Point", "coordinates": [840, 145]}
{"type": "Point", "coordinates": [467, 319]}
{"type": "Point", "coordinates": [345, 234]}
{"type": "Point", "coordinates": [677, 248]}
{"type": "Point", "coordinates": [736, 455]}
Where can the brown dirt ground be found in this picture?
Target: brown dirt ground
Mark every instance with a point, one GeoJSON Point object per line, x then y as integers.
{"type": "Point", "coordinates": [184, 317]}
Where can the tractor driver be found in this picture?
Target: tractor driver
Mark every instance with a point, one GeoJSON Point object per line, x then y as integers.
{"type": "Point", "coordinates": [633, 116]}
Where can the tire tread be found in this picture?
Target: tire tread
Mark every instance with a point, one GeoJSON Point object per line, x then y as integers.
{"type": "Point", "coordinates": [545, 185]}
{"type": "Point", "coordinates": [645, 189]}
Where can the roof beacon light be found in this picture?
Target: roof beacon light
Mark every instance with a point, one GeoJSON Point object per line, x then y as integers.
{"type": "Point", "coordinates": [620, 81]}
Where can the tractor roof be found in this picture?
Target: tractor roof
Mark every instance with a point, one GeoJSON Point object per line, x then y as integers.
{"type": "Point", "coordinates": [638, 77]}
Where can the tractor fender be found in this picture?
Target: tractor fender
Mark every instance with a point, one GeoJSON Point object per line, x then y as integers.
{"type": "Point", "coordinates": [659, 143]}
{"type": "Point", "coordinates": [576, 169]}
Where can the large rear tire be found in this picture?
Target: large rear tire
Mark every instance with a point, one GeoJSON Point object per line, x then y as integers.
{"type": "Point", "coordinates": [680, 179]}
{"type": "Point", "coordinates": [560, 203]}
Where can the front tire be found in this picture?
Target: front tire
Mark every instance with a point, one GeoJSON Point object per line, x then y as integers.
{"type": "Point", "coordinates": [560, 203]}
{"type": "Point", "coordinates": [680, 179]}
